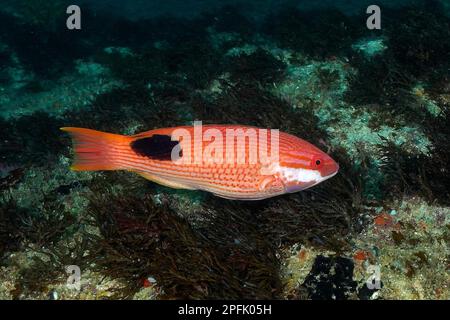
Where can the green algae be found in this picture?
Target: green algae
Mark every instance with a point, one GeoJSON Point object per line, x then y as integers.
{"type": "Point", "coordinates": [70, 92]}
{"type": "Point", "coordinates": [425, 101]}
{"type": "Point", "coordinates": [370, 47]}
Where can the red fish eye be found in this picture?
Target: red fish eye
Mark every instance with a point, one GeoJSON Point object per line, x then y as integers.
{"type": "Point", "coordinates": [317, 162]}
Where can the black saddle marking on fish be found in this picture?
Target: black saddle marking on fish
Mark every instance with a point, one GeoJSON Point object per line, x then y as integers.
{"type": "Point", "coordinates": [156, 147]}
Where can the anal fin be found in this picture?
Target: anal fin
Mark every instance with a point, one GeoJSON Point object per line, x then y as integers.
{"type": "Point", "coordinates": [164, 181]}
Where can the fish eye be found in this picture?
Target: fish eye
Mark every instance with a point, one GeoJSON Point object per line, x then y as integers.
{"type": "Point", "coordinates": [317, 162]}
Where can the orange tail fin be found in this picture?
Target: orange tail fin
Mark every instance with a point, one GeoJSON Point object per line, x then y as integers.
{"type": "Point", "coordinates": [96, 150]}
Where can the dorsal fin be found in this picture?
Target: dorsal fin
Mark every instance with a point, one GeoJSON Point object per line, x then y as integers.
{"type": "Point", "coordinates": [156, 147]}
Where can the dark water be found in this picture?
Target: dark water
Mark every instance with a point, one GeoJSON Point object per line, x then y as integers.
{"type": "Point", "coordinates": [375, 99]}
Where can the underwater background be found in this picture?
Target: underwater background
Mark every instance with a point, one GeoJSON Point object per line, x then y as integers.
{"type": "Point", "coordinates": [376, 100]}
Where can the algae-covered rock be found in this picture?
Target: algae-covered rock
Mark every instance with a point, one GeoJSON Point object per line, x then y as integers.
{"type": "Point", "coordinates": [377, 101]}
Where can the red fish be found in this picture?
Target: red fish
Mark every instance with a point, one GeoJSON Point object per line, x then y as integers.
{"type": "Point", "coordinates": [228, 160]}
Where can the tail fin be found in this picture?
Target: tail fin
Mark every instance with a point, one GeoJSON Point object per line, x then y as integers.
{"type": "Point", "coordinates": [96, 150]}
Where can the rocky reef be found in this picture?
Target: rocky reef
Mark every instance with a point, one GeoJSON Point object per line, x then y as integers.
{"type": "Point", "coordinates": [378, 101]}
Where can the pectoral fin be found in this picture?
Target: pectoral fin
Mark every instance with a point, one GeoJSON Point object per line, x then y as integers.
{"type": "Point", "coordinates": [272, 184]}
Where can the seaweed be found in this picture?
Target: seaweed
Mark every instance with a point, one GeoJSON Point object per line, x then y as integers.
{"type": "Point", "coordinates": [419, 38]}
{"type": "Point", "coordinates": [418, 49]}
{"type": "Point", "coordinates": [30, 139]}
{"type": "Point", "coordinates": [190, 60]}
{"type": "Point", "coordinates": [43, 14]}
{"type": "Point", "coordinates": [141, 69]}
{"type": "Point", "coordinates": [133, 230]}
{"type": "Point", "coordinates": [383, 81]}
{"type": "Point", "coordinates": [248, 104]}
{"type": "Point", "coordinates": [22, 226]}
{"type": "Point", "coordinates": [323, 33]}
{"type": "Point", "coordinates": [411, 175]}
{"type": "Point", "coordinates": [116, 110]}
{"type": "Point", "coordinates": [227, 245]}
{"type": "Point", "coordinates": [35, 52]}
{"type": "Point", "coordinates": [139, 239]}
{"type": "Point", "coordinates": [425, 174]}
{"type": "Point", "coordinates": [259, 66]}
{"type": "Point", "coordinates": [196, 60]}
{"type": "Point", "coordinates": [10, 176]}
{"type": "Point", "coordinates": [10, 239]}
{"type": "Point", "coordinates": [47, 266]}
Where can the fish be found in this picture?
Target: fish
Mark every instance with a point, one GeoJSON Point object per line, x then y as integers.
{"type": "Point", "coordinates": [235, 162]}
